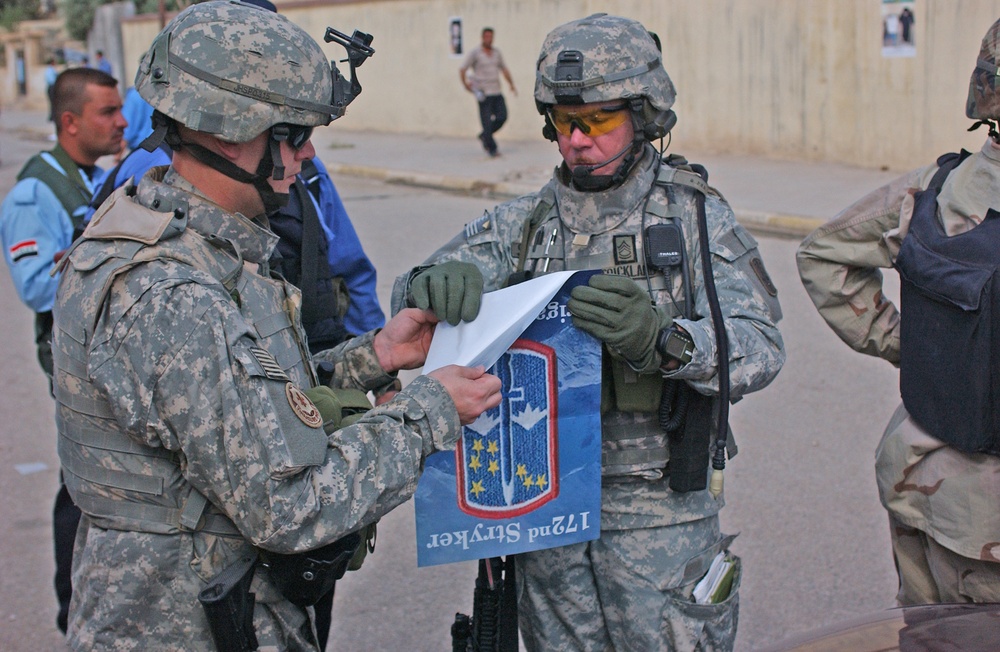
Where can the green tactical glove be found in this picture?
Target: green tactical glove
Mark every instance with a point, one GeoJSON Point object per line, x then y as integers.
{"type": "Point", "coordinates": [338, 407]}
{"type": "Point", "coordinates": [451, 290]}
{"type": "Point", "coordinates": [326, 402]}
{"type": "Point", "coordinates": [619, 313]}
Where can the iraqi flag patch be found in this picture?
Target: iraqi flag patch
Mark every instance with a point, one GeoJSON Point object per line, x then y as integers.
{"type": "Point", "coordinates": [23, 249]}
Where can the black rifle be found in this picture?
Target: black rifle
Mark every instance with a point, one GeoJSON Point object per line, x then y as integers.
{"type": "Point", "coordinates": [493, 625]}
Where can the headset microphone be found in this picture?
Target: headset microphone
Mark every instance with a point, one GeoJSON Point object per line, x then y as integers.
{"type": "Point", "coordinates": [581, 172]}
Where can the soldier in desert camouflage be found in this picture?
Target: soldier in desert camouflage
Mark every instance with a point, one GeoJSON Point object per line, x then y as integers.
{"type": "Point", "coordinates": [937, 467]}
{"type": "Point", "coordinates": [604, 94]}
{"type": "Point", "coordinates": [190, 416]}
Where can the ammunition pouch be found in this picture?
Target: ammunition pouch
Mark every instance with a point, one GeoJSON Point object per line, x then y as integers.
{"type": "Point", "coordinates": [229, 604]}
{"type": "Point", "coordinates": [305, 577]}
{"type": "Point", "coordinates": [627, 390]}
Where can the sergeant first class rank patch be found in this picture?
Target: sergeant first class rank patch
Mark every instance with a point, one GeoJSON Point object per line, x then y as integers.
{"type": "Point", "coordinates": [23, 249]}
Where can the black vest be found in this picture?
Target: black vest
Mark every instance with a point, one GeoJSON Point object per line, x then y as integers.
{"type": "Point", "coordinates": [949, 337]}
{"type": "Point", "coordinates": [301, 258]}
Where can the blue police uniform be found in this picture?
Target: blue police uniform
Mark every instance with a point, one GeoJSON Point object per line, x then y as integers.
{"type": "Point", "coordinates": [36, 223]}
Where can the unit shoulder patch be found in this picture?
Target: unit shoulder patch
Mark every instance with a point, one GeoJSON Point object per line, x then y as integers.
{"type": "Point", "coordinates": [303, 408]}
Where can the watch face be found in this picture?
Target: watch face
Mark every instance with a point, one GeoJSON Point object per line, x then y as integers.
{"type": "Point", "coordinates": [677, 347]}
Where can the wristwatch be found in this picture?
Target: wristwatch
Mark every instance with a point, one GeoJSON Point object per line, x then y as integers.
{"type": "Point", "coordinates": [675, 344]}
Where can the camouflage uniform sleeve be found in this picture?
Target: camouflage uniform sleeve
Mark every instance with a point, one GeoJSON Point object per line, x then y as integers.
{"type": "Point", "coordinates": [356, 365]}
{"type": "Point", "coordinates": [749, 307]}
{"type": "Point", "coordinates": [481, 242]}
{"type": "Point", "coordinates": [841, 263]}
{"type": "Point", "coordinates": [178, 368]}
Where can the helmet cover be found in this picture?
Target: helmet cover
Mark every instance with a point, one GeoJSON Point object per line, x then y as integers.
{"type": "Point", "coordinates": [984, 94]}
{"type": "Point", "coordinates": [601, 58]}
{"type": "Point", "coordinates": [234, 70]}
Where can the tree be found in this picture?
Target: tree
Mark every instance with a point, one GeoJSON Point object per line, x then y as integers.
{"type": "Point", "coordinates": [13, 12]}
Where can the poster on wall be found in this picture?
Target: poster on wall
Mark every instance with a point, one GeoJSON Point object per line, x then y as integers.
{"type": "Point", "coordinates": [898, 37]}
{"type": "Point", "coordinates": [527, 474]}
{"type": "Point", "coordinates": [455, 36]}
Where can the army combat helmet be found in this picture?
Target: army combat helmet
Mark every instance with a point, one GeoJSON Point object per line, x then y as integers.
{"type": "Point", "coordinates": [603, 58]}
{"type": "Point", "coordinates": [235, 71]}
{"type": "Point", "coordinates": [984, 86]}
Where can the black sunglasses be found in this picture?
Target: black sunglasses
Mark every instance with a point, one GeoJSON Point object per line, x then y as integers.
{"type": "Point", "coordinates": [296, 135]}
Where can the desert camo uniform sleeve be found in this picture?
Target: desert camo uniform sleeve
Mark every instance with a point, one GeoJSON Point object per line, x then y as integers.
{"type": "Point", "coordinates": [841, 264]}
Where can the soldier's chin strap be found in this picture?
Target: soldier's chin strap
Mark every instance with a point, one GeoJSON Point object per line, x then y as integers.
{"type": "Point", "coordinates": [990, 125]}
{"type": "Point", "coordinates": [269, 167]}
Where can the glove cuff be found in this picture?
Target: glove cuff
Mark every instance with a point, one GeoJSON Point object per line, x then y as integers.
{"type": "Point", "coordinates": [407, 288]}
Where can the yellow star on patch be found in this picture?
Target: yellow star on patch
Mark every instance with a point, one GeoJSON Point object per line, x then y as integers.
{"type": "Point", "coordinates": [474, 464]}
{"type": "Point", "coordinates": [493, 467]}
{"type": "Point", "coordinates": [541, 481]}
{"type": "Point", "coordinates": [492, 448]}
{"type": "Point", "coordinates": [521, 471]}
{"type": "Point", "coordinates": [528, 482]}
{"type": "Point", "coordinates": [477, 445]}
{"type": "Point", "coordinates": [477, 488]}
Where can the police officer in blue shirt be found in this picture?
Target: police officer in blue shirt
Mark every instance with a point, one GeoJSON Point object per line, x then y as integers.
{"type": "Point", "coordinates": [37, 221]}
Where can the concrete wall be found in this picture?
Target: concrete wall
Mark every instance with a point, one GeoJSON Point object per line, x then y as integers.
{"type": "Point", "coordinates": [795, 80]}
{"type": "Point", "coordinates": [106, 36]}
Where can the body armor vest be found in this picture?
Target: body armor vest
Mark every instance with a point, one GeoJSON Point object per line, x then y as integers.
{"type": "Point", "coordinates": [117, 481]}
{"type": "Point", "coordinates": [633, 442]}
{"type": "Point", "coordinates": [950, 324]}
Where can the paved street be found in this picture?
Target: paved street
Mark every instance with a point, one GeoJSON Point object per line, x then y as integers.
{"type": "Point", "coordinates": [801, 492]}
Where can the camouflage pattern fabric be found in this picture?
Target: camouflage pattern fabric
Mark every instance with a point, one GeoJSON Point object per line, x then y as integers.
{"type": "Point", "coordinates": [182, 380]}
{"type": "Point", "coordinates": [617, 52]}
{"type": "Point", "coordinates": [947, 495]}
{"type": "Point", "coordinates": [984, 95]}
{"type": "Point", "coordinates": [930, 573]}
{"type": "Point", "coordinates": [628, 590]}
{"type": "Point", "coordinates": [234, 70]}
{"type": "Point", "coordinates": [588, 230]}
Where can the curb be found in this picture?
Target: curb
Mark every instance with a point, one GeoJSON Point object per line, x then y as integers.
{"type": "Point", "coordinates": [776, 224]}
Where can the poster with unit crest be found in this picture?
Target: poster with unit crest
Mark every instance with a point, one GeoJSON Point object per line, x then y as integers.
{"type": "Point", "coordinates": [527, 474]}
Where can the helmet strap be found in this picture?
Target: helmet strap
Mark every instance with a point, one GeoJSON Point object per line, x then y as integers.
{"type": "Point", "coordinates": [273, 201]}
{"type": "Point", "coordinates": [990, 125]}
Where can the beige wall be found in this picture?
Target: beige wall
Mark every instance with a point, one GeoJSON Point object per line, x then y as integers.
{"type": "Point", "coordinates": [802, 79]}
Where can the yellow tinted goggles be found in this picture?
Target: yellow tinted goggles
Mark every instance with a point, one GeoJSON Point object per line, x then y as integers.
{"type": "Point", "coordinates": [592, 121]}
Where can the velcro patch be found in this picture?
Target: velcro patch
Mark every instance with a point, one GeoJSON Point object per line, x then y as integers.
{"type": "Point", "coordinates": [271, 367]}
{"type": "Point", "coordinates": [303, 408]}
{"type": "Point", "coordinates": [481, 225]}
{"type": "Point", "coordinates": [23, 249]}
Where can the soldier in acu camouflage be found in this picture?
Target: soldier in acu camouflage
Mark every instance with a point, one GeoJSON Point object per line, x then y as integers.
{"type": "Point", "coordinates": [187, 427]}
{"type": "Point", "coordinates": [941, 501]}
{"type": "Point", "coordinates": [604, 94]}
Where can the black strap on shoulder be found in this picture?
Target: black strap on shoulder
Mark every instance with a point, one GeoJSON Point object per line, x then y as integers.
{"type": "Point", "coordinates": [946, 163]}
{"type": "Point", "coordinates": [697, 178]}
{"type": "Point", "coordinates": [312, 231]}
{"type": "Point", "coordinates": [310, 174]}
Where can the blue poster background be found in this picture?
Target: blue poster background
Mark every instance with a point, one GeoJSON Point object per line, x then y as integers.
{"type": "Point", "coordinates": [530, 474]}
